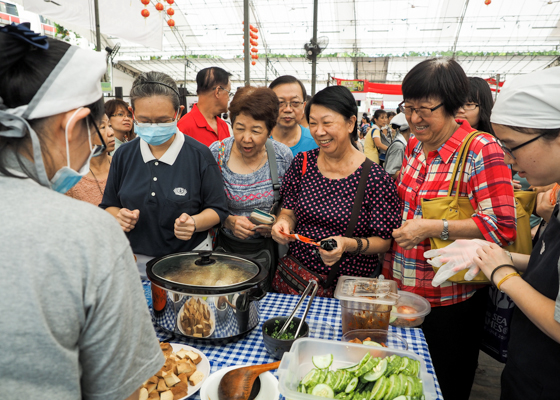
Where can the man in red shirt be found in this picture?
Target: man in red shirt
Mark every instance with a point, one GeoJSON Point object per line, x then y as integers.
{"type": "Point", "coordinates": [214, 91]}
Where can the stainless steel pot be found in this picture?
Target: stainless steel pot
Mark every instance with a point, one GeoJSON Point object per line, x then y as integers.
{"type": "Point", "coordinates": [206, 296]}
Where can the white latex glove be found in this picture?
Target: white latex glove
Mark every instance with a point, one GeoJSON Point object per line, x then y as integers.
{"type": "Point", "coordinates": [457, 256]}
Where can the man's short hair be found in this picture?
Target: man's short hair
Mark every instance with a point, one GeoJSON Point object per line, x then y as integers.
{"type": "Point", "coordinates": [281, 80]}
{"type": "Point", "coordinates": [208, 78]}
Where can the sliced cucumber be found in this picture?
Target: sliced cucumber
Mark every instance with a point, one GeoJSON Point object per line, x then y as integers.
{"type": "Point", "coordinates": [393, 365]}
{"type": "Point", "coordinates": [377, 388]}
{"type": "Point", "coordinates": [371, 343]}
{"type": "Point", "coordinates": [378, 371]}
{"type": "Point", "coordinates": [351, 385]}
{"type": "Point", "coordinates": [309, 377]}
{"type": "Point", "coordinates": [323, 362]}
{"type": "Point", "coordinates": [404, 364]}
{"type": "Point", "coordinates": [393, 317]}
{"type": "Point", "coordinates": [365, 368]}
{"type": "Point", "coordinates": [401, 398]}
{"type": "Point", "coordinates": [393, 387]}
{"type": "Point", "coordinates": [330, 380]}
{"type": "Point", "coordinates": [323, 390]}
{"type": "Point", "coordinates": [322, 376]}
{"type": "Point", "coordinates": [410, 385]}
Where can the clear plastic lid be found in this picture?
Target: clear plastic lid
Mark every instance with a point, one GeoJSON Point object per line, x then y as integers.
{"type": "Point", "coordinates": [367, 290]}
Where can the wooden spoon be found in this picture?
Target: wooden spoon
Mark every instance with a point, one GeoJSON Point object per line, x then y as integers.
{"type": "Point", "coordinates": [237, 384]}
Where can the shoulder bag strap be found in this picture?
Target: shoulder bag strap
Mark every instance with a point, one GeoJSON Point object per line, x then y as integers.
{"type": "Point", "coordinates": [459, 167]}
{"type": "Point", "coordinates": [360, 192]}
{"type": "Point", "coordinates": [273, 169]}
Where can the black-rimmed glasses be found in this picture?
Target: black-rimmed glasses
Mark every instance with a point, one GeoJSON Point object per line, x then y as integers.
{"type": "Point", "coordinates": [469, 106]}
{"type": "Point", "coordinates": [422, 112]}
{"type": "Point", "coordinates": [509, 151]}
{"type": "Point", "coordinates": [97, 149]}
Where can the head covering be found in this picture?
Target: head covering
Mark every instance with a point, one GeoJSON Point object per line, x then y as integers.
{"type": "Point", "coordinates": [74, 82]}
{"type": "Point", "coordinates": [530, 101]}
{"type": "Point", "coordinates": [400, 121]}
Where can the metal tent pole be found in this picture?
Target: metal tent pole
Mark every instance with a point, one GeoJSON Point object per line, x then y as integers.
{"type": "Point", "coordinates": [97, 28]}
{"type": "Point", "coordinates": [497, 86]}
{"type": "Point", "coordinates": [314, 43]}
{"type": "Point", "coordinates": [246, 33]}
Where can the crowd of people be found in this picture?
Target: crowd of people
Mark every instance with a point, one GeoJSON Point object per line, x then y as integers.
{"type": "Point", "coordinates": [163, 182]}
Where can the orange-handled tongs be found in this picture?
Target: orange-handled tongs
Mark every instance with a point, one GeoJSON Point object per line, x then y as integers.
{"type": "Point", "coordinates": [301, 238]}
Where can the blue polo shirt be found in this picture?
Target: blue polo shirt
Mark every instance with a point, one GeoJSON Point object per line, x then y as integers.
{"type": "Point", "coordinates": [186, 179]}
{"type": "Point", "coordinates": [306, 142]}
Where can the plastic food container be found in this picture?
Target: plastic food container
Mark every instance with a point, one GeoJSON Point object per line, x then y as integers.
{"type": "Point", "coordinates": [297, 363]}
{"type": "Point", "coordinates": [410, 310]}
{"type": "Point", "coordinates": [384, 338]}
{"type": "Point", "coordinates": [366, 303]}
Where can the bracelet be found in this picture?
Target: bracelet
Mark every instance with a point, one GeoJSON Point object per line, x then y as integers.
{"type": "Point", "coordinates": [360, 244]}
{"type": "Point", "coordinates": [497, 268]}
{"type": "Point", "coordinates": [194, 222]}
{"type": "Point", "coordinates": [367, 245]}
{"type": "Point", "coordinates": [505, 278]}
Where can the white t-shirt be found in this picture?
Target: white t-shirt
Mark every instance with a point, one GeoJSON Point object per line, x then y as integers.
{"type": "Point", "coordinates": [74, 319]}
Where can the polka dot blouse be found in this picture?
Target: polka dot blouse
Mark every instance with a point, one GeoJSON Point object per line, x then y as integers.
{"type": "Point", "coordinates": [323, 208]}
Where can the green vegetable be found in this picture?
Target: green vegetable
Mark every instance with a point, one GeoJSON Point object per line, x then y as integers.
{"type": "Point", "coordinates": [323, 390]}
{"type": "Point", "coordinates": [288, 333]}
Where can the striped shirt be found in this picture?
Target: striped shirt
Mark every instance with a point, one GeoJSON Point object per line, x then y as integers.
{"type": "Point", "coordinates": [486, 182]}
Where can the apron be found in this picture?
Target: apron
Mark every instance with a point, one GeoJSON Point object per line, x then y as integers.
{"type": "Point", "coordinates": [533, 366]}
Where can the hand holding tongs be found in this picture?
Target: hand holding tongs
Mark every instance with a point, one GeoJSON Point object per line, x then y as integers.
{"type": "Point", "coordinates": [303, 296]}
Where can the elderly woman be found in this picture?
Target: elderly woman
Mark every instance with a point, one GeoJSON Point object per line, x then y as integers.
{"type": "Point", "coordinates": [120, 118]}
{"type": "Point", "coordinates": [433, 91]}
{"type": "Point", "coordinates": [244, 162]}
{"type": "Point", "coordinates": [526, 120]}
{"type": "Point", "coordinates": [69, 281]}
{"type": "Point", "coordinates": [164, 188]}
{"type": "Point", "coordinates": [92, 185]}
{"type": "Point", "coordinates": [319, 191]}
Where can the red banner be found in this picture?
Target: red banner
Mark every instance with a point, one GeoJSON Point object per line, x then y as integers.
{"type": "Point", "coordinates": [369, 87]}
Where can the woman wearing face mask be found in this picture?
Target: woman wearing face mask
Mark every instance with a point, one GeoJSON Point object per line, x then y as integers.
{"type": "Point", "coordinates": [164, 188]}
{"type": "Point", "coordinates": [92, 185]}
{"type": "Point", "coordinates": [69, 281]}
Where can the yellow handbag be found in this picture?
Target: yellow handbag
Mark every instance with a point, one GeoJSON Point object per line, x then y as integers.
{"type": "Point", "coordinates": [456, 207]}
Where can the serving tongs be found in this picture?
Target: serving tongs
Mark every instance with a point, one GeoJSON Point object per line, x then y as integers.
{"type": "Point", "coordinates": [303, 296]}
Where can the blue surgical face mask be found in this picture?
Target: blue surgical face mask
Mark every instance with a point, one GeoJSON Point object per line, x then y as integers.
{"type": "Point", "coordinates": [66, 178]}
{"type": "Point", "coordinates": [156, 134]}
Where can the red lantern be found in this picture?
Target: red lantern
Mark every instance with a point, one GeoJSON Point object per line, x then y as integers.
{"type": "Point", "coordinates": [170, 2]}
{"type": "Point", "coordinates": [145, 2]}
{"type": "Point", "coordinates": [255, 50]}
{"type": "Point", "coordinates": [253, 36]}
{"type": "Point", "coordinates": [171, 23]}
{"type": "Point", "coordinates": [255, 30]}
{"type": "Point", "coordinates": [253, 63]}
{"type": "Point", "coordinates": [145, 13]}
{"type": "Point", "coordinates": [159, 6]}
{"type": "Point", "coordinates": [253, 42]}
{"type": "Point", "coordinates": [487, 2]}
{"type": "Point", "coordinates": [170, 12]}
{"type": "Point", "coordinates": [251, 27]}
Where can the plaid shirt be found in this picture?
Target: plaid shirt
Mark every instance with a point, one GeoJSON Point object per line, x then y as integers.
{"type": "Point", "coordinates": [487, 183]}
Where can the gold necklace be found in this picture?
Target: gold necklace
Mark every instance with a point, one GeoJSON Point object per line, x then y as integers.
{"type": "Point", "coordinates": [258, 166]}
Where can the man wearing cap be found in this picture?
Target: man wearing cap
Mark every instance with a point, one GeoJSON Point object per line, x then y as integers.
{"type": "Point", "coordinates": [395, 153]}
{"type": "Point", "coordinates": [203, 122]}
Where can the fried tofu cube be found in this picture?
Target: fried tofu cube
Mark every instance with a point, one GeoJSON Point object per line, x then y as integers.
{"type": "Point", "coordinates": [171, 380]}
{"type": "Point", "coordinates": [143, 394]}
{"type": "Point", "coordinates": [206, 332]}
{"type": "Point", "coordinates": [166, 349]}
{"type": "Point", "coordinates": [184, 378]}
{"type": "Point", "coordinates": [159, 375]}
{"type": "Point", "coordinates": [166, 395]}
{"type": "Point", "coordinates": [154, 395]}
{"type": "Point", "coordinates": [196, 378]}
{"type": "Point", "coordinates": [182, 353]}
{"type": "Point", "coordinates": [180, 390]}
{"type": "Point", "coordinates": [169, 365]}
{"type": "Point", "coordinates": [150, 387]}
{"type": "Point", "coordinates": [153, 379]}
{"type": "Point", "coordinates": [161, 386]}
{"type": "Point", "coordinates": [188, 331]}
{"type": "Point", "coordinates": [195, 357]}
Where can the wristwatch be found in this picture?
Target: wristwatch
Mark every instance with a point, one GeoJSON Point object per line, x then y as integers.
{"type": "Point", "coordinates": [445, 233]}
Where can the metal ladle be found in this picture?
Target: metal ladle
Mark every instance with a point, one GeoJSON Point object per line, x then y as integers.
{"type": "Point", "coordinates": [303, 296]}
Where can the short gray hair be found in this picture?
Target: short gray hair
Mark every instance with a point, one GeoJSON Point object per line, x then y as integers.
{"type": "Point", "coordinates": [154, 83]}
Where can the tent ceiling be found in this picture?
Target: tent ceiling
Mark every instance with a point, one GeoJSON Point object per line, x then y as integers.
{"type": "Point", "coordinates": [380, 69]}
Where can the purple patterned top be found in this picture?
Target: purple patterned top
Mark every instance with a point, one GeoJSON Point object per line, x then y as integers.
{"type": "Point", "coordinates": [323, 208]}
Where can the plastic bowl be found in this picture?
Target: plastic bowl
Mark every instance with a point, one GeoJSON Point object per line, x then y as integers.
{"type": "Point", "coordinates": [410, 310]}
{"type": "Point", "coordinates": [277, 347]}
{"type": "Point", "coordinates": [384, 338]}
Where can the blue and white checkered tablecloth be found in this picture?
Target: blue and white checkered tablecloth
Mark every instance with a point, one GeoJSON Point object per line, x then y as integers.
{"type": "Point", "coordinates": [325, 322]}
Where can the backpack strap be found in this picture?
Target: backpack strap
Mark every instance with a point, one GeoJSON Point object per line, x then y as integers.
{"type": "Point", "coordinates": [273, 169]}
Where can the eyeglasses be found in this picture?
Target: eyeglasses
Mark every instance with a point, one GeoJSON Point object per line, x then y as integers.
{"type": "Point", "coordinates": [422, 112]}
{"type": "Point", "coordinates": [229, 92]}
{"type": "Point", "coordinates": [469, 106]}
{"type": "Point", "coordinates": [292, 104]}
{"type": "Point", "coordinates": [97, 149]}
{"type": "Point", "coordinates": [509, 151]}
{"type": "Point", "coordinates": [121, 115]}
{"type": "Point", "coordinates": [159, 120]}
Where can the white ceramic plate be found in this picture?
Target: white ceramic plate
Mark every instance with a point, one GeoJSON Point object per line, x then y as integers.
{"type": "Point", "coordinates": [203, 366]}
{"type": "Point", "coordinates": [269, 385]}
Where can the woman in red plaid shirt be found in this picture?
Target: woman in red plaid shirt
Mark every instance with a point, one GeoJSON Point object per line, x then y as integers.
{"type": "Point", "coordinates": [433, 91]}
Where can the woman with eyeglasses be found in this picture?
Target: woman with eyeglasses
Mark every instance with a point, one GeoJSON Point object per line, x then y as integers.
{"type": "Point", "coordinates": [120, 119]}
{"type": "Point", "coordinates": [433, 92]}
{"type": "Point", "coordinates": [92, 185]}
{"type": "Point", "coordinates": [478, 107]}
{"type": "Point", "coordinates": [70, 289]}
{"type": "Point", "coordinates": [526, 120]}
{"type": "Point", "coordinates": [164, 188]}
